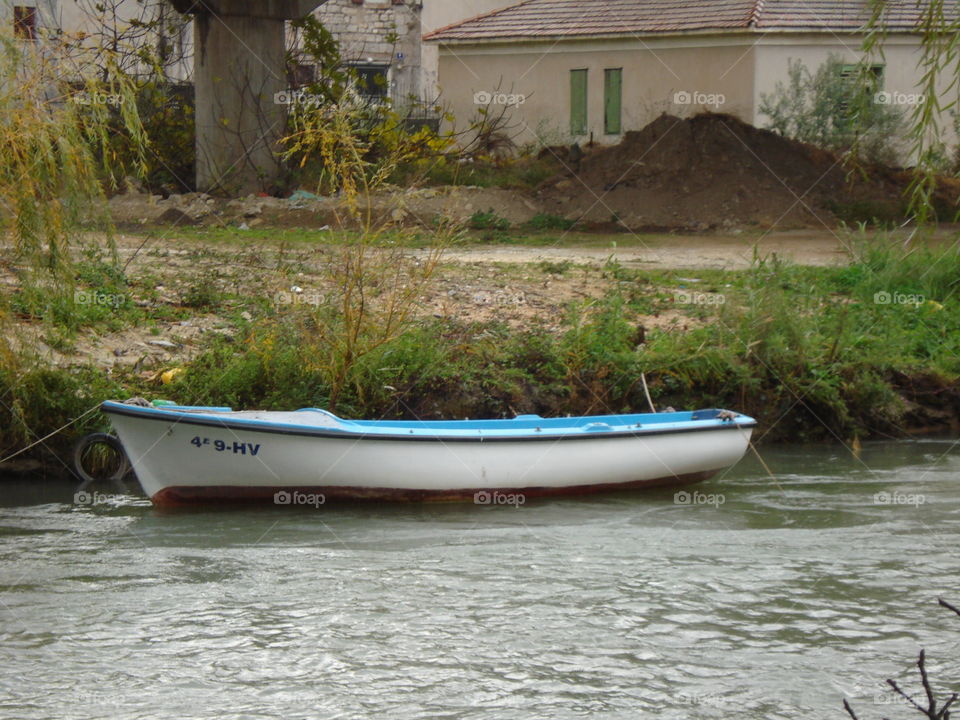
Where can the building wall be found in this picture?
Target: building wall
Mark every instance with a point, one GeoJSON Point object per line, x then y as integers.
{"type": "Point", "coordinates": [736, 70]}
{"type": "Point", "coordinates": [74, 19]}
{"type": "Point", "coordinates": [47, 11]}
{"type": "Point", "coordinates": [901, 73]}
{"type": "Point", "coordinates": [439, 14]}
{"type": "Point", "coordinates": [385, 32]}
{"type": "Point", "coordinates": [677, 76]}
{"type": "Point", "coordinates": [379, 32]}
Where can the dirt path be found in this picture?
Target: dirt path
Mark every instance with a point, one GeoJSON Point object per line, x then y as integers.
{"type": "Point", "coordinates": [668, 252]}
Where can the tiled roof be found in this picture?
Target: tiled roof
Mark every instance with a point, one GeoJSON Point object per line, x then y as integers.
{"type": "Point", "coordinates": [899, 15]}
{"type": "Point", "coordinates": [545, 19]}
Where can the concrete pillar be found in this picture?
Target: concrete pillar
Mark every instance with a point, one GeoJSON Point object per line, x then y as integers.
{"type": "Point", "coordinates": [239, 68]}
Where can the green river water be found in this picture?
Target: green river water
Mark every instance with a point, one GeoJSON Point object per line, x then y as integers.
{"type": "Point", "coordinates": [761, 600]}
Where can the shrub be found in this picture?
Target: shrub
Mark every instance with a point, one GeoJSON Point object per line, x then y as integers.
{"type": "Point", "coordinates": [488, 220]}
{"type": "Point", "coordinates": [835, 108]}
{"type": "Point", "coordinates": [546, 221]}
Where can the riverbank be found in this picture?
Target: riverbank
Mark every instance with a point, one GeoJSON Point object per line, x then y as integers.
{"type": "Point", "coordinates": [862, 341]}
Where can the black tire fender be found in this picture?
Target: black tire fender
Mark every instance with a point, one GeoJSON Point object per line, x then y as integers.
{"type": "Point", "coordinates": [100, 438]}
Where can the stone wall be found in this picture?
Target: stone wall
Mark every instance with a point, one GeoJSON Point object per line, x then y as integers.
{"type": "Point", "coordinates": [379, 32]}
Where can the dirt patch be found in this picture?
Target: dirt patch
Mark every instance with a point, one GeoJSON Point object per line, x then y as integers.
{"type": "Point", "coordinates": [410, 207]}
{"type": "Point", "coordinates": [714, 171]}
{"type": "Point", "coordinates": [676, 252]}
{"type": "Point", "coordinates": [171, 344]}
{"type": "Point", "coordinates": [509, 285]}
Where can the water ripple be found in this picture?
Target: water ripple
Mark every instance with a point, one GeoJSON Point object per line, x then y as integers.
{"type": "Point", "coordinates": [775, 604]}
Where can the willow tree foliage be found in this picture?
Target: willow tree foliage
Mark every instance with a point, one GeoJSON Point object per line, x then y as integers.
{"type": "Point", "coordinates": [57, 123]}
{"type": "Point", "coordinates": [55, 135]}
{"type": "Point", "coordinates": [938, 60]}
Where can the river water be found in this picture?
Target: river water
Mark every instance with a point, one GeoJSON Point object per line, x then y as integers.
{"type": "Point", "coordinates": [756, 599]}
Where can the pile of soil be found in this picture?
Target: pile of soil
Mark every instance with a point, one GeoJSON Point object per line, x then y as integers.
{"type": "Point", "coordinates": [714, 171]}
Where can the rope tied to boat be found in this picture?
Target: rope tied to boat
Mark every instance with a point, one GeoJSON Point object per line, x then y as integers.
{"type": "Point", "coordinates": [646, 391]}
{"type": "Point", "coordinates": [85, 443]}
{"type": "Point", "coordinates": [50, 435]}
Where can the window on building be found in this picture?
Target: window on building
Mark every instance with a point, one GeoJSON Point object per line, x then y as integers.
{"type": "Point", "coordinates": [25, 22]}
{"type": "Point", "coordinates": [850, 74]}
{"type": "Point", "coordinates": [372, 81]}
{"type": "Point", "coordinates": [612, 96]}
{"type": "Point", "coordinates": [578, 102]}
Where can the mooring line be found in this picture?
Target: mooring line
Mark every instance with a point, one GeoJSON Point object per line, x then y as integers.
{"type": "Point", "coordinates": [765, 466]}
{"type": "Point", "coordinates": [646, 391]}
{"type": "Point", "coordinates": [45, 437]}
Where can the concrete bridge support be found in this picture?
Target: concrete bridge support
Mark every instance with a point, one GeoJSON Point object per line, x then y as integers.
{"type": "Point", "coordinates": [239, 70]}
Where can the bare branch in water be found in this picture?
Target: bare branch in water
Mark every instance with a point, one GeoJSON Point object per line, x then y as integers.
{"type": "Point", "coordinates": [930, 711]}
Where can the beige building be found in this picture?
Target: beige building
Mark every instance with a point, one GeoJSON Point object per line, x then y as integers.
{"type": "Point", "coordinates": [564, 70]}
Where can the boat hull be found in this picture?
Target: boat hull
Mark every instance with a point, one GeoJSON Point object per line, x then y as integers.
{"type": "Point", "coordinates": [213, 494]}
{"type": "Point", "coordinates": [182, 461]}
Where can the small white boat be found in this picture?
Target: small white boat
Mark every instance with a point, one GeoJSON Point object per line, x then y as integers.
{"type": "Point", "coordinates": [210, 454]}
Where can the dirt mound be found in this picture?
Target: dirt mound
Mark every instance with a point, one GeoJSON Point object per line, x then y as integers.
{"type": "Point", "coordinates": [714, 171]}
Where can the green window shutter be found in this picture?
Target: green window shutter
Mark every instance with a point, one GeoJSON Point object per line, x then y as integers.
{"type": "Point", "coordinates": [850, 74]}
{"type": "Point", "coordinates": [612, 95]}
{"type": "Point", "coordinates": [578, 102]}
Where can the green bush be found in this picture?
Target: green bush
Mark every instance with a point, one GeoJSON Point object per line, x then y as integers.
{"type": "Point", "coordinates": [488, 220]}
{"type": "Point", "coordinates": [836, 108]}
{"type": "Point", "coordinates": [546, 221]}
{"type": "Point", "coordinates": [202, 295]}
{"type": "Point", "coordinates": [39, 399]}
{"type": "Point", "coordinates": [559, 267]}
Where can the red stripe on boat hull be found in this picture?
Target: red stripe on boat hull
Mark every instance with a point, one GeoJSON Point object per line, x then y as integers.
{"type": "Point", "coordinates": [222, 494]}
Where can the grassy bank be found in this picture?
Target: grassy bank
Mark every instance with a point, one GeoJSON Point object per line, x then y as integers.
{"type": "Point", "coordinates": [868, 349]}
{"type": "Point", "coordinates": [814, 353]}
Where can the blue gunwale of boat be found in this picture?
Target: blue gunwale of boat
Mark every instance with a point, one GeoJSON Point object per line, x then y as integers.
{"type": "Point", "coordinates": [524, 427]}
